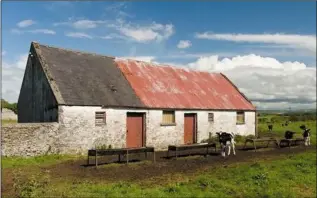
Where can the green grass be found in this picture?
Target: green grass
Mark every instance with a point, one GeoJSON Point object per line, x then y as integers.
{"type": "Point", "coordinates": [283, 176]}
{"type": "Point", "coordinates": [10, 121]}
{"type": "Point", "coordinates": [289, 176]}
{"type": "Point", "coordinates": [279, 130]}
{"type": "Point", "coordinates": [14, 162]}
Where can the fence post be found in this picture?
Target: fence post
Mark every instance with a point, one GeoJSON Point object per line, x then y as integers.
{"type": "Point", "coordinates": [256, 123]}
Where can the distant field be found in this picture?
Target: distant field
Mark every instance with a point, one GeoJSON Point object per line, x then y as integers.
{"type": "Point", "coordinates": [279, 130]}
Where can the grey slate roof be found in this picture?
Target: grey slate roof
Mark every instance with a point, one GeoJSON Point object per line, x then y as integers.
{"type": "Point", "coordinates": [86, 79]}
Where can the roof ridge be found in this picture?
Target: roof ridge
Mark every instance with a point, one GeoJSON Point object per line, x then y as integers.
{"type": "Point", "coordinates": [154, 64]}
{"type": "Point", "coordinates": [72, 50]}
{"type": "Point", "coordinates": [128, 59]}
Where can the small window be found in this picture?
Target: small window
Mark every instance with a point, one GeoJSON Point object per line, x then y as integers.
{"type": "Point", "coordinates": [240, 117]}
{"type": "Point", "coordinates": [168, 117]}
{"type": "Point", "coordinates": [210, 117]}
{"type": "Point", "coordinates": [100, 118]}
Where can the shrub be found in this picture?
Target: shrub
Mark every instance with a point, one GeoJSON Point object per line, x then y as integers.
{"type": "Point", "coordinates": [278, 119]}
{"type": "Point", "coordinates": [212, 139]}
{"type": "Point", "coordinates": [104, 146]}
{"type": "Point", "coordinates": [13, 107]}
{"type": "Point", "coordinates": [250, 136]}
{"type": "Point", "coordinates": [239, 138]}
{"type": "Point", "coordinates": [263, 120]}
{"type": "Point", "coordinates": [293, 118]}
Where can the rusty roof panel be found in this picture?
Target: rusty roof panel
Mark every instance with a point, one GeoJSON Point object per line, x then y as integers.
{"type": "Point", "coordinates": [176, 88]}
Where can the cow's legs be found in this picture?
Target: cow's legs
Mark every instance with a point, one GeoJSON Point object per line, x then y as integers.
{"type": "Point", "coordinates": [307, 141]}
{"type": "Point", "coordinates": [233, 148]}
{"type": "Point", "coordinates": [223, 150]}
{"type": "Point", "coordinates": [229, 148]}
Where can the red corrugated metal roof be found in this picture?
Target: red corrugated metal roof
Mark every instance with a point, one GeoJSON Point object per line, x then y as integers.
{"type": "Point", "coordinates": [176, 88]}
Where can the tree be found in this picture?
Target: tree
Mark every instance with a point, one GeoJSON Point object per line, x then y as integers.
{"type": "Point", "coordinates": [13, 107]}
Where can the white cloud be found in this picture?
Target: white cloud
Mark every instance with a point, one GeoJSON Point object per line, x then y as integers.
{"type": "Point", "coordinates": [35, 31]}
{"type": "Point", "coordinates": [265, 80]}
{"type": "Point", "coordinates": [62, 23]}
{"type": "Point", "coordinates": [141, 58]}
{"type": "Point", "coordinates": [43, 31]}
{"type": "Point", "coordinates": [113, 36]}
{"type": "Point", "coordinates": [78, 35]}
{"type": "Point", "coordinates": [122, 30]}
{"type": "Point", "coordinates": [21, 62]}
{"type": "Point", "coordinates": [85, 24]}
{"type": "Point", "coordinates": [81, 24]}
{"type": "Point", "coordinates": [12, 75]}
{"type": "Point", "coordinates": [4, 53]}
{"type": "Point", "coordinates": [25, 23]}
{"type": "Point", "coordinates": [153, 32]}
{"type": "Point", "coordinates": [184, 55]}
{"type": "Point", "coordinates": [184, 44]}
{"type": "Point", "coordinates": [287, 40]}
{"type": "Point", "coordinates": [212, 63]}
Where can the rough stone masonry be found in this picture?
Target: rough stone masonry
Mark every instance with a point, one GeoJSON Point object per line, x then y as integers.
{"type": "Point", "coordinates": [76, 132]}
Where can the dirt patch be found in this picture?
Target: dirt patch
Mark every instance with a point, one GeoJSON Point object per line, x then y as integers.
{"type": "Point", "coordinates": [112, 171]}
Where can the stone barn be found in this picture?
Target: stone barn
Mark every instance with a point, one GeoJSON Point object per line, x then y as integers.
{"type": "Point", "coordinates": [96, 99]}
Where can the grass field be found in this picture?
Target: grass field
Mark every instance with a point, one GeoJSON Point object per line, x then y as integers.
{"type": "Point", "coordinates": [279, 130]}
{"type": "Point", "coordinates": [16, 162]}
{"type": "Point", "coordinates": [284, 176]}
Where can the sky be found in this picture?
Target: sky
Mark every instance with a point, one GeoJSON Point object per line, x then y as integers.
{"type": "Point", "coordinates": [268, 49]}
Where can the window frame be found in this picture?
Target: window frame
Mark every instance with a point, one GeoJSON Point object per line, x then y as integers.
{"type": "Point", "coordinates": [237, 116]}
{"type": "Point", "coordinates": [213, 117]}
{"type": "Point", "coordinates": [98, 118]}
{"type": "Point", "coordinates": [163, 123]}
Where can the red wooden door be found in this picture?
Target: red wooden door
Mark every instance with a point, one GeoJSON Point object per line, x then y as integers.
{"type": "Point", "coordinates": [189, 128]}
{"type": "Point", "coordinates": [134, 130]}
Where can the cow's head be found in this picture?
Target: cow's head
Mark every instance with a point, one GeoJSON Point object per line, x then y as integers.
{"type": "Point", "coordinates": [303, 127]}
{"type": "Point", "coordinates": [219, 133]}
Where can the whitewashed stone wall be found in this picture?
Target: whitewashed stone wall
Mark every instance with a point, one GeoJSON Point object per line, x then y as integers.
{"type": "Point", "coordinates": [76, 131]}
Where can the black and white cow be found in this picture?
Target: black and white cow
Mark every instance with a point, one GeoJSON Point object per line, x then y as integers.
{"type": "Point", "coordinates": [226, 140]}
{"type": "Point", "coordinates": [289, 135]}
{"type": "Point", "coordinates": [306, 135]}
{"type": "Point", "coordinates": [270, 126]}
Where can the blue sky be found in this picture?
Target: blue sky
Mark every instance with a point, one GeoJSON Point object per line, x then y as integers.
{"type": "Point", "coordinates": [213, 36]}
